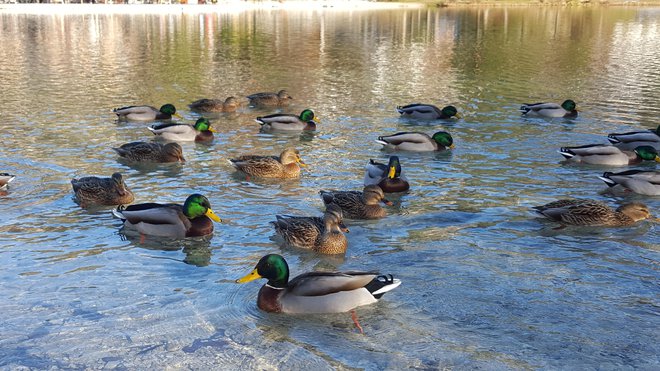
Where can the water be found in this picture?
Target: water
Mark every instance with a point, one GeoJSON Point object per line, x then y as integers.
{"type": "Point", "coordinates": [485, 284]}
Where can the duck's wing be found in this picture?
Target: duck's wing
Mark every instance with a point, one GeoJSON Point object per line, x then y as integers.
{"type": "Point", "coordinates": [324, 283]}
{"type": "Point", "coordinates": [405, 137]}
{"type": "Point", "coordinates": [123, 111]}
{"type": "Point", "coordinates": [172, 128]}
{"type": "Point", "coordinates": [374, 172]}
{"type": "Point", "coordinates": [589, 150]}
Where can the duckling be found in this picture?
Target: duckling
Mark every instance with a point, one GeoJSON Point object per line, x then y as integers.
{"type": "Point", "coordinates": [286, 165]}
{"type": "Point", "coordinates": [146, 113]}
{"type": "Point", "coordinates": [602, 154]}
{"type": "Point", "coordinates": [427, 112]}
{"type": "Point", "coordinates": [593, 213]}
{"type": "Point", "coordinates": [5, 179]}
{"type": "Point", "coordinates": [151, 152]}
{"type": "Point", "coordinates": [566, 109]}
{"type": "Point", "coordinates": [388, 177]}
{"type": "Point", "coordinates": [192, 219]}
{"type": "Point", "coordinates": [633, 139]}
{"type": "Point", "coordinates": [215, 105]}
{"type": "Point", "coordinates": [323, 235]}
{"type": "Point", "coordinates": [417, 141]}
{"type": "Point", "coordinates": [200, 132]}
{"type": "Point", "coordinates": [281, 98]}
{"type": "Point", "coordinates": [356, 204]}
{"type": "Point", "coordinates": [288, 122]}
{"type": "Point", "coordinates": [91, 190]}
{"type": "Point", "coordinates": [643, 182]}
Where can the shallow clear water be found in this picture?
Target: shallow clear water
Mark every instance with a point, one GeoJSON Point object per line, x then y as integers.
{"type": "Point", "coordinates": [485, 284]}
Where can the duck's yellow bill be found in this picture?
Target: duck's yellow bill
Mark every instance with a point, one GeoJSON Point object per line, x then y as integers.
{"type": "Point", "coordinates": [657, 158]}
{"type": "Point", "coordinates": [452, 146]}
{"type": "Point", "coordinates": [316, 120]}
{"type": "Point", "coordinates": [458, 116]}
{"type": "Point", "coordinates": [212, 215]}
{"type": "Point", "coordinates": [392, 172]}
{"type": "Point", "coordinates": [301, 163]}
{"type": "Point", "coordinates": [211, 130]}
{"type": "Point", "coordinates": [177, 116]}
{"type": "Point", "coordinates": [254, 275]}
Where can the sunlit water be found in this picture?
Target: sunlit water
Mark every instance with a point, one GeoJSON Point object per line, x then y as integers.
{"type": "Point", "coordinates": [485, 284]}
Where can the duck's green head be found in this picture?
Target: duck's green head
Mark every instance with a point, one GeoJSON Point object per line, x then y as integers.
{"type": "Point", "coordinates": [308, 115]}
{"type": "Point", "coordinates": [394, 167]}
{"type": "Point", "coordinates": [169, 109]}
{"type": "Point", "coordinates": [450, 111]}
{"type": "Point", "coordinates": [444, 139]}
{"type": "Point", "coordinates": [647, 153]}
{"type": "Point", "coordinates": [568, 105]}
{"type": "Point", "coordinates": [203, 124]}
{"type": "Point", "coordinates": [272, 267]}
{"type": "Point", "coordinates": [197, 205]}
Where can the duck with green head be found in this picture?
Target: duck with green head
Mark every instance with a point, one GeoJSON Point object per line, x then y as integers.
{"type": "Point", "coordinates": [607, 155]}
{"type": "Point", "coordinates": [388, 177]}
{"type": "Point", "coordinates": [146, 113]}
{"type": "Point", "coordinates": [92, 190]}
{"type": "Point", "coordinates": [201, 131]}
{"type": "Point", "coordinates": [593, 213]}
{"type": "Point", "coordinates": [427, 112]}
{"type": "Point", "coordinates": [307, 120]}
{"type": "Point", "coordinates": [417, 141]}
{"type": "Point", "coordinates": [566, 109]}
{"type": "Point", "coordinates": [633, 139]}
{"type": "Point", "coordinates": [215, 105]}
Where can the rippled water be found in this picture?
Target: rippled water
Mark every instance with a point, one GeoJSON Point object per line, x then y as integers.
{"type": "Point", "coordinates": [485, 284]}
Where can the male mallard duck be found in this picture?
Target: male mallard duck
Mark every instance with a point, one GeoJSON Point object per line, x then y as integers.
{"type": "Point", "coordinates": [643, 182]}
{"type": "Point", "coordinates": [280, 121]}
{"type": "Point", "coordinates": [192, 219]}
{"type": "Point", "coordinates": [593, 213]}
{"type": "Point", "coordinates": [5, 179]}
{"type": "Point", "coordinates": [323, 235]}
{"type": "Point", "coordinates": [146, 113]}
{"type": "Point", "coordinates": [200, 132]}
{"type": "Point", "coordinates": [603, 154]}
{"type": "Point", "coordinates": [215, 105]}
{"type": "Point", "coordinates": [91, 190]}
{"type": "Point", "coordinates": [566, 109]}
{"type": "Point", "coordinates": [634, 139]}
{"type": "Point", "coordinates": [417, 141]}
{"type": "Point", "coordinates": [151, 152]}
{"type": "Point", "coordinates": [315, 292]}
{"type": "Point", "coordinates": [281, 98]}
{"type": "Point", "coordinates": [286, 165]}
{"type": "Point", "coordinates": [427, 111]}
{"type": "Point", "coordinates": [356, 204]}
{"type": "Point", "coordinates": [387, 177]}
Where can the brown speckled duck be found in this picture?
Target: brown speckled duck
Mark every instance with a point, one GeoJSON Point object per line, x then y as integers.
{"type": "Point", "coordinates": [286, 165]}
{"type": "Point", "coordinates": [215, 105]}
{"type": "Point", "coordinates": [281, 99]}
{"type": "Point", "coordinates": [356, 204]}
{"type": "Point", "coordinates": [93, 190]}
{"type": "Point", "coordinates": [323, 235]}
{"type": "Point", "coordinates": [593, 213]}
{"type": "Point", "coordinates": [151, 152]}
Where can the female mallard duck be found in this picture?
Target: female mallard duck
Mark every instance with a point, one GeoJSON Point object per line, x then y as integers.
{"type": "Point", "coordinates": [5, 179]}
{"type": "Point", "coordinates": [288, 122]}
{"type": "Point", "coordinates": [387, 177]}
{"type": "Point", "coordinates": [215, 105]}
{"type": "Point", "coordinates": [200, 132]}
{"type": "Point", "coordinates": [633, 139]}
{"type": "Point", "coordinates": [643, 182]}
{"type": "Point", "coordinates": [356, 204]}
{"type": "Point", "coordinates": [151, 152]}
{"type": "Point", "coordinates": [316, 292]}
{"type": "Point", "coordinates": [192, 219]}
{"type": "Point", "coordinates": [566, 109]}
{"type": "Point", "coordinates": [286, 165]}
{"type": "Point", "coordinates": [427, 111]}
{"type": "Point", "coordinates": [417, 142]}
{"type": "Point", "coordinates": [593, 213]}
{"type": "Point", "coordinates": [91, 190]}
{"type": "Point", "coordinates": [146, 113]}
{"type": "Point", "coordinates": [323, 235]}
{"type": "Point", "coordinates": [281, 98]}
{"type": "Point", "coordinates": [603, 154]}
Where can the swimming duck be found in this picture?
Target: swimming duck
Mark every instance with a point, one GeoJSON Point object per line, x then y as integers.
{"type": "Point", "coordinates": [566, 109]}
{"type": "Point", "coordinates": [388, 177]}
{"type": "Point", "coordinates": [151, 152]}
{"type": "Point", "coordinates": [288, 122]}
{"type": "Point", "coordinates": [356, 204]}
{"type": "Point", "coordinates": [192, 219]}
{"type": "Point", "coordinates": [5, 179]}
{"type": "Point", "coordinates": [427, 111]}
{"type": "Point", "coordinates": [603, 154]}
{"type": "Point", "coordinates": [215, 105]}
{"type": "Point", "coordinates": [200, 132]}
{"type": "Point", "coordinates": [281, 98]}
{"type": "Point", "coordinates": [146, 113]}
{"type": "Point", "coordinates": [417, 141]}
{"type": "Point", "coordinates": [593, 213]}
{"type": "Point", "coordinates": [634, 139]}
{"type": "Point", "coordinates": [323, 235]}
{"type": "Point", "coordinates": [315, 292]}
{"type": "Point", "coordinates": [286, 165]}
{"type": "Point", "coordinates": [91, 190]}
{"type": "Point", "coordinates": [643, 182]}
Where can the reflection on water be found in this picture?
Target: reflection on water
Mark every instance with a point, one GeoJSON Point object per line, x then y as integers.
{"type": "Point", "coordinates": [485, 285]}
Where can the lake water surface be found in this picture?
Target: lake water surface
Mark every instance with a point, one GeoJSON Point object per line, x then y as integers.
{"type": "Point", "coordinates": [486, 285]}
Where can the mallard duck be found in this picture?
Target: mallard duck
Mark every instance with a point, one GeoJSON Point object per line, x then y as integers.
{"type": "Point", "coordinates": [603, 154]}
{"type": "Point", "coordinates": [593, 213]}
{"type": "Point", "coordinates": [151, 152]}
{"type": "Point", "coordinates": [566, 109]}
{"type": "Point", "coordinates": [91, 190]}
{"type": "Point", "coordinates": [633, 139]}
{"type": "Point", "coordinates": [417, 142]}
{"type": "Point", "coordinates": [286, 165]}
{"type": "Point", "coordinates": [323, 235]}
{"type": "Point", "coordinates": [146, 113]}
{"type": "Point", "coordinates": [356, 204]}
{"type": "Point", "coordinates": [281, 98]}
{"type": "Point", "coordinates": [5, 179]}
{"type": "Point", "coordinates": [288, 122]}
{"type": "Point", "coordinates": [215, 105]}
{"type": "Point", "coordinates": [643, 182]}
{"type": "Point", "coordinates": [427, 111]}
{"type": "Point", "coordinates": [192, 219]}
{"type": "Point", "coordinates": [315, 292]}
{"type": "Point", "coordinates": [200, 132]}
{"type": "Point", "coordinates": [388, 177]}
